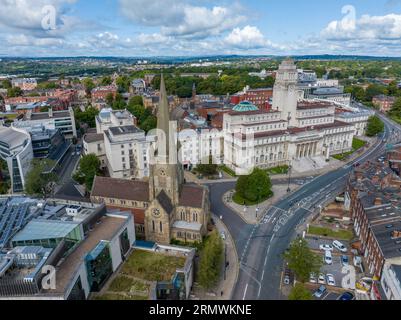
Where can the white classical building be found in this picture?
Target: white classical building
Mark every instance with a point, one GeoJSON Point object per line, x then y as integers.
{"type": "Point", "coordinates": [295, 129]}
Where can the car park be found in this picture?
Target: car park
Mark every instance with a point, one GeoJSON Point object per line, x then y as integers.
{"type": "Point", "coordinates": [326, 247]}
{"type": "Point", "coordinates": [339, 246]}
{"type": "Point", "coordinates": [328, 258]}
{"type": "Point", "coordinates": [320, 292]}
{"type": "Point", "coordinates": [344, 260]}
{"type": "Point", "coordinates": [322, 279]}
{"type": "Point", "coordinates": [347, 296]}
{"type": "Point", "coordinates": [330, 280]}
{"type": "Point", "coordinates": [312, 278]}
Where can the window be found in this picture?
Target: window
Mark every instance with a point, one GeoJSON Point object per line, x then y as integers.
{"type": "Point", "coordinates": [161, 226]}
{"type": "Point", "coordinates": [153, 225]}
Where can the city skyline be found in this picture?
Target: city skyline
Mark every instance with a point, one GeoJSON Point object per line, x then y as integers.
{"type": "Point", "coordinates": [187, 28]}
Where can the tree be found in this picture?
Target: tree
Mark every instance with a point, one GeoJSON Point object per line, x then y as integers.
{"type": "Point", "coordinates": [123, 83]}
{"type": "Point", "coordinates": [14, 92]}
{"type": "Point", "coordinates": [136, 100]}
{"type": "Point", "coordinates": [89, 85]}
{"type": "Point", "coordinates": [39, 181]}
{"type": "Point", "coordinates": [6, 84]}
{"type": "Point", "coordinates": [119, 102]}
{"type": "Point", "coordinates": [373, 90]}
{"type": "Point", "coordinates": [299, 292]}
{"type": "Point", "coordinates": [106, 81]}
{"type": "Point", "coordinates": [89, 167]}
{"type": "Point", "coordinates": [149, 124]}
{"type": "Point", "coordinates": [209, 169]}
{"type": "Point", "coordinates": [110, 99]}
{"type": "Point", "coordinates": [374, 127]}
{"type": "Point", "coordinates": [211, 259]}
{"type": "Point", "coordinates": [302, 260]}
{"type": "Point", "coordinates": [395, 111]}
{"type": "Point", "coordinates": [255, 187]}
{"type": "Point", "coordinates": [87, 117]}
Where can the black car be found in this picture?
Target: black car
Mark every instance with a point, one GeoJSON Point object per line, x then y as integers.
{"type": "Point", "coordinates": [347, 296]}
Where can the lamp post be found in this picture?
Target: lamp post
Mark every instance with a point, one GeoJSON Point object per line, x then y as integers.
{"type": "Point", "coordinates": [289, 177]}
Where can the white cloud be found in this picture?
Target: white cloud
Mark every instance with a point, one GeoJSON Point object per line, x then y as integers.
{"type": "Point", "coordinates": [248, 37]}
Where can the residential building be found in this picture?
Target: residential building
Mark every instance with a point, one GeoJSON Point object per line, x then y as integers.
{"type": "Point", "coordinates": [384, 103]}
{"type": "Point", "coordinates": [25, 84]}
{"type": "Point", "coordinates": [16, 150]}
{"type": "Point", "coordinates": [391, 281]}
{"type": "Point", "coordinates": [373, 190]}
{"type": "Point", "coordinates": [101, 93]}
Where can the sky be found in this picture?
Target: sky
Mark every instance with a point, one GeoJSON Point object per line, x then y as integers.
{"type": "Point", "coordinates": [38, 28]}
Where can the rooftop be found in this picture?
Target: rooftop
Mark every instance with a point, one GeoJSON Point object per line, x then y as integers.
{"type": "Point", "coordinates": [125, 130]}
{"type": "Point", "coordinates": [245, 106]}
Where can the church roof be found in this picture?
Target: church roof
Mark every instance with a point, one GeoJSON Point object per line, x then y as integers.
{"type": "Point", "coordinates": [165, 202]}
{"type": "Point", "coordinates": [120, 189]}
{"type": "Point", "coordinates": [245, 106]}
{"type": "Point", "coordinates": [192, 196]}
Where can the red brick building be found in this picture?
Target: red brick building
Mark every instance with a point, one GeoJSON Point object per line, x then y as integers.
{"type": "Point", "coordinates": [259, 97]}
{"type": "Point", "coordinates": [384, 103]}
{"type": "Point", "coordinates": [100, 93]}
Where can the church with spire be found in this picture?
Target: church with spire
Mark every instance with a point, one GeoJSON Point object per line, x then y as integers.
{"type": "Point", "coordinates": [176, 210]}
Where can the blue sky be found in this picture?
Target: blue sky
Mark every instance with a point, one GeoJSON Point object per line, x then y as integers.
{"type": "Point", "coordinates": [185, 27]}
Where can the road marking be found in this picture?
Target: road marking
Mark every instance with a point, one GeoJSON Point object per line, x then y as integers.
{"type": "Point", "coordinates": [263, 275]}
{"type": "Point", "coordinates": [246, 289]}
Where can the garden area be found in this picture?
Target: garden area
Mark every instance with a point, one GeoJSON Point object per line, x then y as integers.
{"type": "Point", "coordinates": [138, 273]}
{"type": "Point", "coordinates": [357, 144]}
{"type": "Point", "coordinates": [253, 189]}
{"type": "Point", "coordinates": [340, 234]}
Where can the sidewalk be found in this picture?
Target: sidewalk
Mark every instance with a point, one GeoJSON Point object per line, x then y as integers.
{"type": "Point", "coordinates": [225, 288]}
{"type": "Point", "coordinates": [254, 214]}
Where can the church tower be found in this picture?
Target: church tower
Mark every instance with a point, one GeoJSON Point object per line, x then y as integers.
{"type": "Point", "coordinates": [285, 92]}
{"type": "Point", "coordinates": [166, 173]}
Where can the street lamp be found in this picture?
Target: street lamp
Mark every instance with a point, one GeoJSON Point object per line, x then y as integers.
{"type": "Point", "coordinates": [289, 178]}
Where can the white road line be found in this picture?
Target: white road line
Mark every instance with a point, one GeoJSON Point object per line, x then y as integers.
{"type": "Point", "coordinates": [263, 275]}
{"type": "Point", "coordinates": [246, 289]}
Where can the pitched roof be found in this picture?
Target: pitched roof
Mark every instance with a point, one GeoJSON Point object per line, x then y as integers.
{"type": "Point", "coordinates": [192, 196]}
{"type": "Point", "coordinates": [120, 189]}
{"type": "Point", "coordinates": [165, 202]}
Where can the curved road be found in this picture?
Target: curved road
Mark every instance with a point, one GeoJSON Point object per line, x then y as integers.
{"type": "Point", "coordinates": [260, 247]}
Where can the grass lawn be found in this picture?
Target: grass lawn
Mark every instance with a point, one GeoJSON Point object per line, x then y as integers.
{"type": "Point", "coordinates": [115, 297]}
{"type": "Point", "coordinates": [356, 145]}
{"type": "Point", "coordinates": [152, 267]}
{"type": "Point", "coordinates": [239, 200]}
{"type": "Point", "coordinates": [326, 232]}
{"type": "Point", "coordinates": [278, 170]}
{"type": "Point", "coordinates": [122, 283]}
{"type": "Point", "coordinates": [228, 171]}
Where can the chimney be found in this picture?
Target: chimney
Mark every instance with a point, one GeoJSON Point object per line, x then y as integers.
{"type": "Point", "coordinates": [378, 201]}
{"type": "Point", "coordinates": [396, 234]}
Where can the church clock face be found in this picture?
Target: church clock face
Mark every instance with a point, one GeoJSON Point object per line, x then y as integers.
{"type": "Point", "coordinates": [156, 213]}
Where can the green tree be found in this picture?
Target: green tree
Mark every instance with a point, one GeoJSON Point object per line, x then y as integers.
{"type": "Point", "coordinates": [209, 169]}
{"type": "Point", "coordinates": [89, 85]}
{"type": "Point", "coordinates": [89, 167]}
{"type": "Point", "coordinates": [395, 111]}
{"type": "Point", "coordinates": [373, 90]}
{"type": "Point", "coordinates": [14, 92]}
{"type": "Point", "coordinates": [136, 100]}
{"type": "Point", "coordinates": [6, 84]}
{"type": "Point", "coordinates": [149, 124]}
{"type": "Point", "coordinates": [87, 117]}
{"type": "Point", "coordinates": [123, 83]}
{"type": "Point", "coordinates": [106, 81]}
{"type": "Point", "coordinates": [299, 293]}
{"type": "Point", "coordinates": [110, 99]}
{"type": "Point", "coordinates": [374, 127]}
{"type": "Point", "coordinates": [211, 258]}
{"type": "Point", "coordinates": [119, 102]}
{"type": "Point", "coordinates": [302, 260]}
{"type": "Point", "coordinates": [39, 181]}
{"type": "Point", "coordinates": [255, 187]}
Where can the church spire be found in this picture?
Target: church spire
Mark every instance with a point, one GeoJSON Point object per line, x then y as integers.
{"type": "Point", "coordinates": [163, 113]}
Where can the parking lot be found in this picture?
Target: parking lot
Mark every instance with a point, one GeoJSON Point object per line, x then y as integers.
{"type": "Point", "coordinates": [315, 242]}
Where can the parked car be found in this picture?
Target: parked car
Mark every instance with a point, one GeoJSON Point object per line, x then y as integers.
{"type": "Point", "coordinates": [223, 235]}
{"type": "Point", "coordinates": [347, 296]}
{"type": "Point", "coordinates": [320, 292]}
{"type": "Point", "coordinates": [287, 280]}
{"type": "Point", "coordinates": [312, 278]}
{"type": "Point", "coordinates": [344, 260]}
{"type": "Point", "coordinates": [330, 280]}
{"type": "Point", "coordinates": [338, 245]}
{"type": "Point", "coordinates": [328, 258]}
{"type": "Point", "coordinates": [322, 279]}
{"type": "Point", "coordinates": [326, 247]}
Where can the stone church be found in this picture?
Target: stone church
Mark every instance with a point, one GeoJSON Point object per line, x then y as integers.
{"type": "Point", "coordinates": [165, 207]}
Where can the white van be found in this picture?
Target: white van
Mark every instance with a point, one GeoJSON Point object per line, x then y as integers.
{"type": "Point", "coordinates": [338, 245]}
{"type": "Point", "coordinates": [328, 259]}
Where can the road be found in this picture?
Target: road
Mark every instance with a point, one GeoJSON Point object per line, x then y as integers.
{"type": "Point", "coordinates": [260, 247]}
